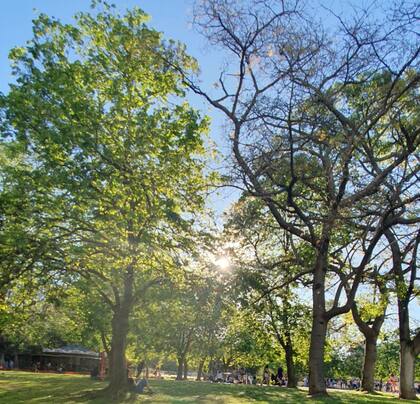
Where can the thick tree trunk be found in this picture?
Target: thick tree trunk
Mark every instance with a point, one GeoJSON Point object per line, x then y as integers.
{"type": "Point", "coordinates": [16, 360]}
{"type": "Point", "coordinates": [369, 363]}
{"type": "Point", "coordinates": [407, 366]}
{"type": "Point", "coordinates": [291, 376]}
{"type": "Point", "coordinates": [316, 356]}
{"type": "Point", "coordinates": [108, 364]}
{"type": "Point", "coordinates": [117, 362]}
{"type": "Point", "coordinates": [180, 369]}
{"type": "Point", "coordinates": [118, 380]}
{"type": "Point", "coordinates": [409, 348]}
{"type": "Point", "coordinates": [185, 369]}
{"type": "Point", "coordinates": [317, 385]}
{"type": "Point", "coordinates": [200, 370]}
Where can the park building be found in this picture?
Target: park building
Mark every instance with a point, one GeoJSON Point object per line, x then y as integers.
{"type": "Point", "coordinates": [69, 358]}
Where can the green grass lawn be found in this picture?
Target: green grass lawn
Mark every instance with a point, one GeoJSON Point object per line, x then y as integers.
{"type": "Point", "coordinates": [23, 387]}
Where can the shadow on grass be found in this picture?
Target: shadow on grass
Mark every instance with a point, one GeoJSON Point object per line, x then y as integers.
{"type": "Point", "coordinates": [20, 387]}
{"type": "Point", "coordinates": [210, 392]}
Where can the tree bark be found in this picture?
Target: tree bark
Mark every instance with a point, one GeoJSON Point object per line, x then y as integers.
{"type": "Point", "coordinates": [180, 369]}
{"type": "Point", "coordinates": [409, 348]}
{"type": "Point", "coordinates": [408, 353]}
{"type": "Point", "coordinates": [118, 383]}
{"type": "Point", "coordinates": [369, 364]}
{"type": "Point", "coordinates": [185, 369]}
{"type": "Point", "coordinates": [291, 376]}
{"type": "Point", "coordinates": [117, 360]}
{"type": "Point", "coordinates": [317, 385]}
{"type": "Point", "coordinates": [407, 366]}
{"type": "Point", "coordinates": [316, 356]}
{"type": "Point", "coordinates": [371, 334]}
{"type": "Point", "coordinates": [200, 370]}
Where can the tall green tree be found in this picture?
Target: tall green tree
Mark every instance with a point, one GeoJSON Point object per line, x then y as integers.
{"type": "Point", "coordinates": [115, 155]}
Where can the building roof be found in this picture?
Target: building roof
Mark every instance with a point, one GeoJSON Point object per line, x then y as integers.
{"type": "Point", "coordinates": [71, 350]}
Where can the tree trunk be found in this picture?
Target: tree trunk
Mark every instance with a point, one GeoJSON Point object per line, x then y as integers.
{"type": "Point", "coordinates": [200, 370]}
{"type": "Point", "coordinates": [16, 360]}
{"type": "Point", "coordinates": [118, 364]}
{"type": "Point", "coordinates": [317, 385]}
{"type": "Point", "coordinates": [408, 351]}
{"type": "Point", "coordinates": [291, 376]}
{"type": "Point", "coordinates": [179, 372]}
{"type": "Point", "coordinates": [118, 380]}
{"type": "Point", "coordinates": [371, 333]}
{"type": "Point", "coordinates": [185, 369]}
{"type": "Point", "coordinates": [369, 363]}
{"type": "Point", "coordinates": [409, 348]}
{"type": "Point", "coordinates": [407, 366]}
{"type": "Point", "coordinates": [316, 356]}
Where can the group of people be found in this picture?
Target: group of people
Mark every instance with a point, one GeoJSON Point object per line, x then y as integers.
{"type": "Point", "coordinates": [235, 377]}
{"type": "Point", "coordinates": [352, 384]}
{"type": "Point", "coordinates": [390, 386]}
{"type": "Point", "coordinates": [276, 379]}
{"type": "Point", "coordinates": [49, 367]}
{"type": "Point", "coordinates": [7, 364]}
{"type": "Point", "coordinates": [241, 376]}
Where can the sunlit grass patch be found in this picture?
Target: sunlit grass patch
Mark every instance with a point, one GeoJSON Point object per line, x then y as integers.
{"type": "Point", "coordinates": [25, 387]}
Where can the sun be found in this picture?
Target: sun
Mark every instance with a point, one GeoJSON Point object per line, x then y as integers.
{"type": "Point", "coordinates": [222, 262]}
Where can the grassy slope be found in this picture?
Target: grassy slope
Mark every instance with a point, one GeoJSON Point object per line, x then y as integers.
{"type": "Point", "coordinates": [22, 387]}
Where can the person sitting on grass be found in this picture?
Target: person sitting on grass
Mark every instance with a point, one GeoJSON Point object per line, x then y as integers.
{"type": "Point", "coordinates": [273, 379]}
{"type": "Point", "coordinates": [219, 377]}
{"type": "Point", "coordinates": [139, 387]}
{"type": "Point", "coordinates": [156, 373]}
{"type": "Point", "coordinates": [94, 373]}
{"type": "Point", "coordinates": [279, 376]}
